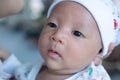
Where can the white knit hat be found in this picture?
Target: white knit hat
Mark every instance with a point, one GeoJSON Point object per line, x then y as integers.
{"type": "Point", "coordinates": [106, 15]}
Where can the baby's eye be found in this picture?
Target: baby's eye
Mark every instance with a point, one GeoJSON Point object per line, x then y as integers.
{"type": "Point", "coordinates": [52, 25]}
{"type": "Point", "coordinates": [78, 34]}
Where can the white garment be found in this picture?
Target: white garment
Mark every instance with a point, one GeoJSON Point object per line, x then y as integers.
{"type": "Point", "coordinates": [29, 72]}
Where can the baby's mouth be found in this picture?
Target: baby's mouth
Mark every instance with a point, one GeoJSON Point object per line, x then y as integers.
{"type": "Point", "coordinates": [53, 54]}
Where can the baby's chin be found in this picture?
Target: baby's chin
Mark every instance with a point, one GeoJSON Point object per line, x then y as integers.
{"type": "Point", "coordinates": [62, 70]}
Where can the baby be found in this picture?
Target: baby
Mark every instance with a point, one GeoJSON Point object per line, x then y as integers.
{"type": "Point", "coordinates": [76, 33]}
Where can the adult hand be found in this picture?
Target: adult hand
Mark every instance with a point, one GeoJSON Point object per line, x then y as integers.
{"type": "Point", "coordinates": [9, 7]}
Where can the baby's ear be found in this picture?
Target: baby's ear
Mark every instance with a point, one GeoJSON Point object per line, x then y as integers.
{"type": "Point", "coordinates": [110, 49]}
{"type": "Point", "coordinates": [98, 59]}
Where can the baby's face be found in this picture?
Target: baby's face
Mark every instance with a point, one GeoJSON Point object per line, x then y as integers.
{"type": "Point", "coordinates": [70, 39]}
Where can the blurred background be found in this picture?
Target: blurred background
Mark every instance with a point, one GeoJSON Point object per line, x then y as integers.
{"type": "Point", "coordinates": [19, 34]}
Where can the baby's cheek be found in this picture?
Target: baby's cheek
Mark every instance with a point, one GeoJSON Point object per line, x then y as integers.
{"type": "Point", "coordinates": [42, 44]}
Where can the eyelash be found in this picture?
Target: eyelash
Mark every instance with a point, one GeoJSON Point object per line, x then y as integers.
{"type": "Point", "coordinates": [52, 25]}
{"type": "Point", "coordinates": [78, 34]}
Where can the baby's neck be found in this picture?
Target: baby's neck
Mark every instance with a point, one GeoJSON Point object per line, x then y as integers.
{"type": "Point", "coordinates": [44, 74]}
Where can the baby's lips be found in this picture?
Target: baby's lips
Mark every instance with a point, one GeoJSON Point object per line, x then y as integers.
{"type": "Point", "coordinates": [53, 53]}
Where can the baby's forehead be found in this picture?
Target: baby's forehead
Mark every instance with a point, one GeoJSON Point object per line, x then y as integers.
{"type": "Point", "coordinates": [69, 4]}
{"type": "Point", "coordinates": [65, 3]}
{"type": "Point", "coordinates": [70, 7]}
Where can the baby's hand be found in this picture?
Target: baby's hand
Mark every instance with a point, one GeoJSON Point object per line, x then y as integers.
{"type": "Point", "coordinates": [4, 54]}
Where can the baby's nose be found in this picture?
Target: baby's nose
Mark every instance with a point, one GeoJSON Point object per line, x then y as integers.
{"type": "Point", "coordinates": [59, 36]}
